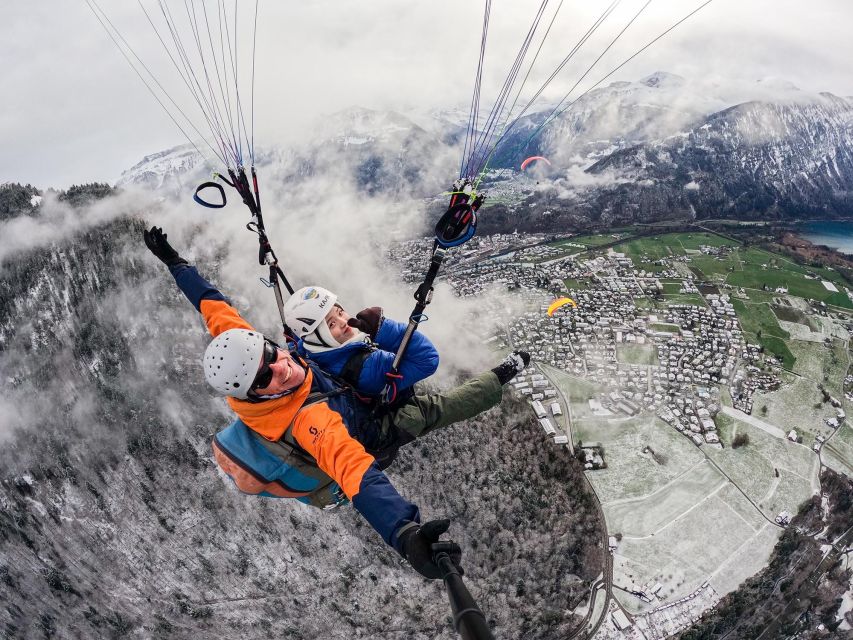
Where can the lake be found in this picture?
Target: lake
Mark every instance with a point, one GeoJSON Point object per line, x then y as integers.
{"type": "Point", "coordinates": [838, 235]}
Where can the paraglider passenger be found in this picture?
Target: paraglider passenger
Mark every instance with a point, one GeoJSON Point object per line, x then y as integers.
{"type": "Point", "coordinates": [361, 351]}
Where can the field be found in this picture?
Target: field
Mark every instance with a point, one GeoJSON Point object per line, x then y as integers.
{"type": "Point", "coordinates": [637, 354]}
{"type": "Point", "coordinates": [838, 451]}
{"type": "Point", "coordinates": [762, 269]}
{"type": "Point", "coordinates": [746, 267]}
{"type": "Point", "coordinates": [685, 298]}
{"type": "Point", "coordinates": [761, 326]}
{"type": "Point", "coordinates": [799, 404]}
{"type": "Point", "coordinates": [576, 244]}
{"type": "Point", "coordinates": [572, 283]}
{"type": "Point", "coordinates": [673, 555]}
{"type": "Point", "coordinates": [632, 471]}
{"type": "Point", "coordinates": [662, 510]}
{"type": "Point", "coordinates": [753, 467]}
{"type": "Point", "coordinates": [646, 516]}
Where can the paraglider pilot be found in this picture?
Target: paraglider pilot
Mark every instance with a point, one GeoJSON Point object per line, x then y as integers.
{"type": "Point", "coordinates": [270, 389]}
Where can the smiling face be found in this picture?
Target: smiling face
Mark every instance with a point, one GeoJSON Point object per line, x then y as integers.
{"type": "Point", "coordinates": [336, 320]}
{"type": "Point", "coordinates": [286, 374]}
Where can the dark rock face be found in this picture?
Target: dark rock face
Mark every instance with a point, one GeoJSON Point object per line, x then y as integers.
{"type": "Point", "coordinates": [756, 159]}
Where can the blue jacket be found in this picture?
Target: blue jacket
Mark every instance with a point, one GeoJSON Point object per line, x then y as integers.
{"type": "Point", "coordinates": [420, 360]}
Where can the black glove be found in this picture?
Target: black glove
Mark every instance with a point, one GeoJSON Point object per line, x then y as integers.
{"type": "Point", "coordinates": [156, 242]}
{"type": "Point", "coordinates": [416, 543]}
{"type": "Point", "coordinates": [368, 320]}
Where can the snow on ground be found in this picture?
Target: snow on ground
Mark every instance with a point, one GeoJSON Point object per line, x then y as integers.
{"type": "Point", "coordinates": [846, 605]}
{"type": "Point", "coordinates": [799, 331]}
{"type": "Point", "coordinates": [645, 516]}
{"type": "Point", "coordinates": [837, 453]}
{"type": "Point", "coordinates": [795, 406]}
{"type": "Point", "coordinates": [632, 471]}
{"type": "Point", "coordinates": [754, 467]}
{"type": "Point", "coordinates": [696, 545]}
{"type": "Point", "coordinates": [746, 561]}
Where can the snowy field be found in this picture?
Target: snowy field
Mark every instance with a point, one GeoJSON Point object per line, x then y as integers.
{"type": "Point", "coordinates": [698, 545]}
{"type": "Point", "coordinates": [682, 520]}
{"type": "Point", "coordinates": [794, 407]}
{"type": "Point", "coordinates": [632, 471]}
{"type": "Point", "coordinates": [640, 517]}
{"type": "Point", "coordinates": [837, 453]}
{"type": "Point", "coordinates": [753, 467]}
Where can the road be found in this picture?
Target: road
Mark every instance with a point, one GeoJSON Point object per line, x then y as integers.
{"type": "Point", "coordinates": [606, 581]}
{"type": "Point", "coordinates": [737, 414]}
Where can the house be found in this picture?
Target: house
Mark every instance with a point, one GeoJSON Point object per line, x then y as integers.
{"type": "Point", "coordinates": [547, 426]}
{"type": "Point", "coordinates": [620, 620]}
{"type": "Point", "coordinates": [792, 436]}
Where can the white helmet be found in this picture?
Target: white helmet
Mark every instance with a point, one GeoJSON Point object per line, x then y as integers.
{"type": "Point", "coordinates": [231, 361]}
{"type": "Point", "coordinates": [305, 313]}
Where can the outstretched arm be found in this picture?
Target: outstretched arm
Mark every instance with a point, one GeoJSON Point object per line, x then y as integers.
{"type": "Point", "coordinates": [207, 299]}
{"type": "Point", "coordinates": [320, 431]}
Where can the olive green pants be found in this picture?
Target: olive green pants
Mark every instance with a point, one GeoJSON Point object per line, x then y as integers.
{"type": "Point", "coordinates": [425, 413]}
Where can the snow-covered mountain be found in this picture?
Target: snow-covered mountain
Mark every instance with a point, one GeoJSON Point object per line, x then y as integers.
{"type": "Point", "coordinates": [166, 170]}
{"type": "Point", "coordinates": [782, 159]}
{"type": "Point", "coordinates": [661, 147]}
{"type": "Point", "coordinates": [609, 119]}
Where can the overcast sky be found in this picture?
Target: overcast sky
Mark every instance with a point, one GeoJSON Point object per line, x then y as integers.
{"type": "Point", "coordinates": [73, 111]}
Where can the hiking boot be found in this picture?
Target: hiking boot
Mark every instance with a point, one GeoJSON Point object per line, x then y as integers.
{"type": "Point", "coordinates": [512, 365]}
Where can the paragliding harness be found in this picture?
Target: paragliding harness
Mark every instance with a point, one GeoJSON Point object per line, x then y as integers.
{"type": "Point", "coordinates": [455, 227]}
{"type": "Point", "coordinates": [280, 468]}
{"type": "Point", "coordinates": [252, 199]}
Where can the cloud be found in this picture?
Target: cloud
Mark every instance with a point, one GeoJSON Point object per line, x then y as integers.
{"type": "Point", "coordinates": [56, 221]}
{"type": "Point", "coordinates": [74, 112]}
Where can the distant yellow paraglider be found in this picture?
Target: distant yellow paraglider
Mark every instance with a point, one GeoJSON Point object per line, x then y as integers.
{"type": "Point", "coordinates": [560, 302]}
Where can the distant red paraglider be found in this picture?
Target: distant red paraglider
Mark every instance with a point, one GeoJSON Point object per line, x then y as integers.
{"type": "Point", "coordinates": [533, 159]}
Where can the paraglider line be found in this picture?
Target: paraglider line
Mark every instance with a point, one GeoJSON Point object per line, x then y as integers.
{"type": "Point", "coordinates": [510, 123]}
{"type": "Point", "coordinates": [482, 143]}
{"type": "Point", "coordinates": [557, 113]}
{"type": "Point", "coordinates": [550, 116]}
{"type": "Point", "coordinates": [639, 51]}
{"type": "Point", "coordinates": [104, 21]}
{"type": "Point", "coordinates": [210, 97]}
{"type": "Point", "coordinates": [254, 49]}
{"type": "Point", "coordinates": [222, 90]}
{"type": "Point", "coordinates": [484, 138]}
{"type": "Point", "coordinates": [210, 111]}
{"type": "Point", "coordinates": [475, 99]}
{"type": "Point", "coordinates": [223, 153]}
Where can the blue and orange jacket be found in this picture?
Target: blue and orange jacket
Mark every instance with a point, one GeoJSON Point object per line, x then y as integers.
{"type": "Point", "coordinates": [420, 360]}
{"type": "Point", "coordinates": [319, 429]}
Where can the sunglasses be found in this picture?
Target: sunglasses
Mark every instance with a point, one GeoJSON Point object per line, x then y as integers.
{"type": "Point", "coordinates": [264, 377]}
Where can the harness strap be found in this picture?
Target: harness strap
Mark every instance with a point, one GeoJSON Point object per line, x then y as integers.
{"type": "Point", "coordinates": [286, 447]}
{"type": "Point", "coordinates": [351, 371]}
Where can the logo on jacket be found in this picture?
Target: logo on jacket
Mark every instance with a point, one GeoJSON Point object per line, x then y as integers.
{"type": "Point", "coordinates": [314, 431]}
